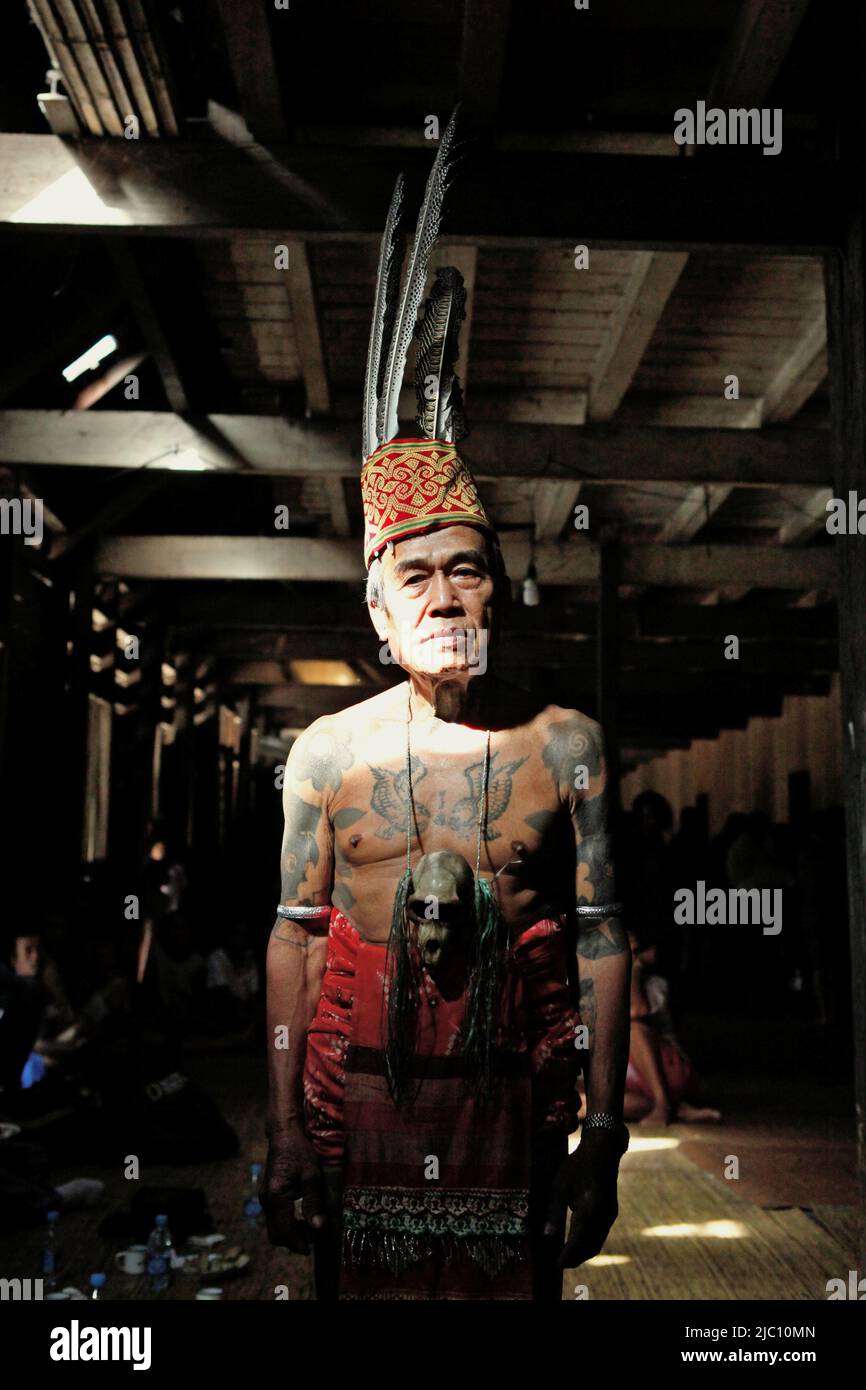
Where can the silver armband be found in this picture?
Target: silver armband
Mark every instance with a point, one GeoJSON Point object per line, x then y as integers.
{"type": "Point", "coordinates": [304, 914]}
{"type": "Point", "coordinates": [597, 912]}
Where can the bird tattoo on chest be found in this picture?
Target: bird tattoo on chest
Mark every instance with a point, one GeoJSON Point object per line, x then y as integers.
{"type": "Point", "coordinates": [391, 795]}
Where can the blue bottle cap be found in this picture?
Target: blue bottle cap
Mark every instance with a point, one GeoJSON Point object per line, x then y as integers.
{"type": "Point", "coordinates": [256, 1170]}
{"type": "Point", "coordinates": [52, 1216]}
{"type": "Point", "coordinates": [162, 1221]}
{"type": "Point", "coordinates": [97, 1281]}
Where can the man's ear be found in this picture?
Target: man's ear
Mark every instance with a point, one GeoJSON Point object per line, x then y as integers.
{"type": "Point", "coordinates": [379, 621]}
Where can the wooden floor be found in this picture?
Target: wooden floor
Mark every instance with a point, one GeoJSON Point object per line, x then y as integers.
{"type": "Point", "coordinates": [779, 1230]}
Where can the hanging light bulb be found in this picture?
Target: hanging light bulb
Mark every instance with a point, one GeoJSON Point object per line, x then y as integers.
{"type": "Point", "coordinates": [531, 592]}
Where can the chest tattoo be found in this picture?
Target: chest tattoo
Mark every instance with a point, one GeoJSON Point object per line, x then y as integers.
{"type": "Point", "coordinates": [390, 798]}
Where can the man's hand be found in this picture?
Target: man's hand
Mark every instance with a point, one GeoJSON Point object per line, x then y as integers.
{"type": "Point", "coordinates": [292, 1171]}
{"type": "Point", "coordinates": [586, 1182]}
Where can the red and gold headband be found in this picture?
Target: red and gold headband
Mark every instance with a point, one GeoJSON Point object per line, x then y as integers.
{"type": "Point", "coordinates": [414, 485]}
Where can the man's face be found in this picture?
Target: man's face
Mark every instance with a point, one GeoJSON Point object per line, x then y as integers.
{"type": "Point", "coordinates": [25, 959]}
{"type": "Point", "coordinates": [438, 594]}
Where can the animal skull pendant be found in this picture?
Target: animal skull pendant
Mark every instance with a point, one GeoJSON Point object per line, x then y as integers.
{"type": "Point", "coordinates": [441, 912]}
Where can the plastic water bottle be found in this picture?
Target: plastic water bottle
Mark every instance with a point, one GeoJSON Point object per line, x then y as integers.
{"type": "Point", "coordinates": [253, 1214]}
{"type": "Point", "coordinates": [97, 1284]}
{"type": "Point", "coordinates": [159, 1249]}
{"type": "Point", "coordinates": [49, 1261]}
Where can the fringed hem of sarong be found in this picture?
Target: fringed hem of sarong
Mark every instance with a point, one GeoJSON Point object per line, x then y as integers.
{"type": "Point", "coordinates": [451, 1211]}
{"type": "Point", "coordinates": [397, 1250]}
{"type": "Point", "coordinates": [397, 1226]}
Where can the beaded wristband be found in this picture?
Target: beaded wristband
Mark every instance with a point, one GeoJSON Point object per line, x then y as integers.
{"type": "Point", "coordinates": [601, 1120]}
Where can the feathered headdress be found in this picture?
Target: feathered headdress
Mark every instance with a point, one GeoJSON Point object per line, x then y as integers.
{"type": "Point", "coordinates": [413, 485]}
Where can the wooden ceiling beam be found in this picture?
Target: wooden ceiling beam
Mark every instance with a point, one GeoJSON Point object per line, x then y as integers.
{"type": "Point", "coordinates": [307, 330]}
{"type": "Point", "coordinates": [801, 373]}
{"type": "Point", "coordinates": [126, 260]}
{"type": "Point", "coordinates": [336, 495]}
{"type": "Point", "coordinates": [271, 444]}
{"type": "Point", "coordinates": [810, 519]}
{"type": "Point", "coordinates": [483, 45]}
{"type": "Point", "coordinates": [251, 56]}
{"type": "Point", "coordinates": [555, 405]}
{"type": "Point", "coordinates": [242, 614]}
{"type": "Point", "coordinates": [758, 45]}
{"type": "Point", "coordinates": [299, 558]}
{"type": "Point", "coordinates": [650, 285]}
{"type": "Point", "coordinates": [693, 513]}
{"type": "Point", "coordinates": [645, 143]}
{"type": "Point", "coordinates": [554, 506]}
{"type": "Point", "coordinates": [198, 189]}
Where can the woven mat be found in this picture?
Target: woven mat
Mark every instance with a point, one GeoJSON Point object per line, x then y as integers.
{"type": "Point", "coordinates": [682, 1234]}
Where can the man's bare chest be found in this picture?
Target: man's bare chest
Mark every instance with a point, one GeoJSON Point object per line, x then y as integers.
{"type": "Point", "coordinates": [443, 799]}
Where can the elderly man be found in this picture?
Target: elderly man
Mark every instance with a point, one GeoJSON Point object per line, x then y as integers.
{"type": "Point", "coordinates": [447, 899]}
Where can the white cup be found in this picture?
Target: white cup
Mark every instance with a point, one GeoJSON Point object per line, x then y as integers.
{"type": "Point", "coordinates": [209, 1295]}
{"type": "Point", "coordinates": [133, 1260]}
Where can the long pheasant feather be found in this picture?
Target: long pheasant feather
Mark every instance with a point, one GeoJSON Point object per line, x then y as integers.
{"type": "Point", "coordinates": [415, 279]}
{"type": "Point", "coordinates": [384, 312]}
{"type": "Point", "coordinates": [440, 402]}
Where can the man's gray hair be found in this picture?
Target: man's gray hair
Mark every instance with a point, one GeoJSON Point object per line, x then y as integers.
{"type": "Point", "coordinates": [375, 593]}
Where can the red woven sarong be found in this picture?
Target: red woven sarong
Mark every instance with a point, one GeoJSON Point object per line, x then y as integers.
{"type": "Point", "coordinates": [436, 1192]}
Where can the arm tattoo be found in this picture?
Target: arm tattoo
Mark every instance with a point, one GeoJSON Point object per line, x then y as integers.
{"type": "Point", "coordinates": [341, 894]}
{"type": "Point", "coordinates": [575, 744]}
{"type": "Point", "coordinates": [587, 1006]}
{"type": "Point", "coordinates": [300, 850]}
{"type": "Point", "coordinates": [608, 939]}
{"type": "Point", "coordinates": [570, 745]}
{"type": "Point", "coordinates": [288, 933]}
{"type": "Point", "coordinates": [322, 759]}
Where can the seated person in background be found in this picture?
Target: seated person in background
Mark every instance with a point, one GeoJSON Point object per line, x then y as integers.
{"type": "Point", "coordinates": [55, 1034]}
{"type": "Point", "coordinates": [661, 1084]}
{"type": "Point", "coordinates": [232, 978]}
{"type": "Point", "coordinates": [21, 1005]}
{"type": "Point", "coordinates": [179, 969]}
{"type": "Point", "coordinates": [232, 966]}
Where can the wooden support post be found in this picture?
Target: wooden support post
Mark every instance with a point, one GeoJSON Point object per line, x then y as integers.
{"type": "Point", "coordinates": [846, 313]}
{"type": "Point", "coordinates": [608, 650]}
